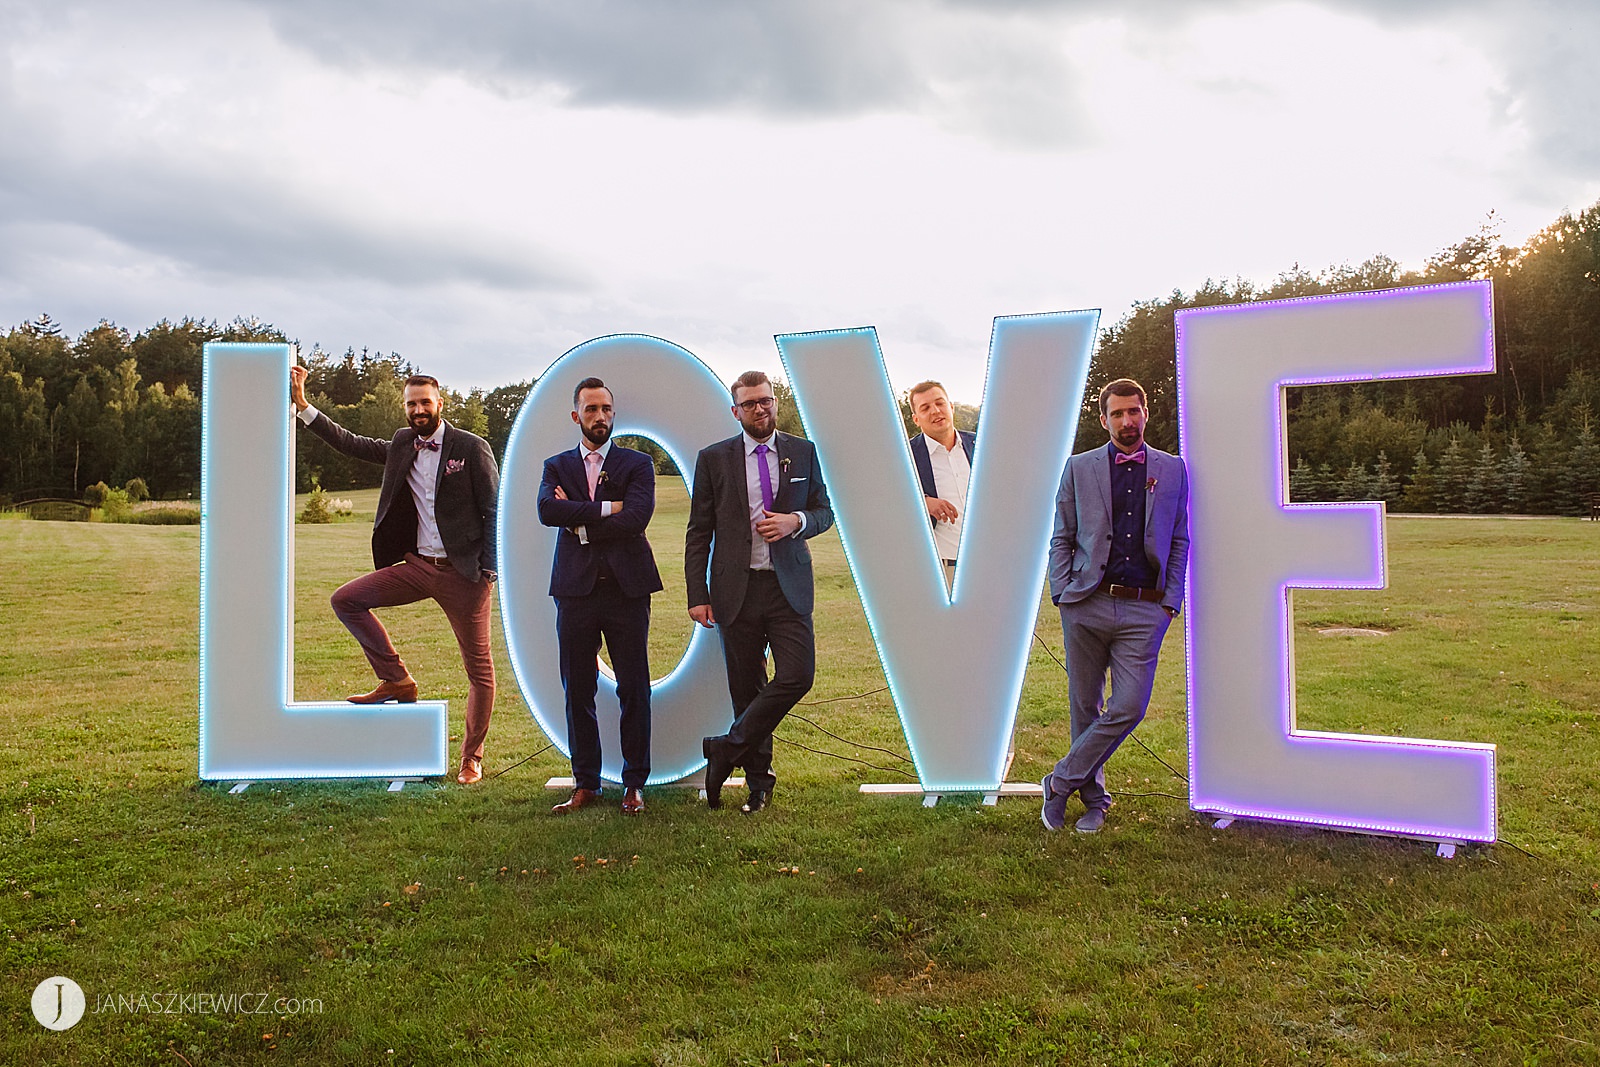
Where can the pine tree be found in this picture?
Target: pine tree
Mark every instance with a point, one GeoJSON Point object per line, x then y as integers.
{"type": "Point", "coordinates": [1355, 484]}
{"type": "Point", "coordinates": [1384, 485]}
{"type": "Point", "coordinates": [1582, 472]}
{"type": "Point", "coordinates": [1326, 484]}
{"type": "Point", "coordinates": [1300, 480]}
{"type": "Point", "coordinates": [1450, 483]}
{"type": "Point", "coordinates": [1419, 495]}
{"type": "Point", "coordinates": [1514, 477]}
{"type": "Point", "coordinates": [1485, 492]}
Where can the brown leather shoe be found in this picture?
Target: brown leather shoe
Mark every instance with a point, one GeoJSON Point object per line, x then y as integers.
{"type": "Point", "coordinates": [471, 771]}
{"type": "Point", "coordinates": [633, 802]}
{"type": "Point", "coordinates": [579, 798]}
{"type": "Point", "coordinates": [400, 692]}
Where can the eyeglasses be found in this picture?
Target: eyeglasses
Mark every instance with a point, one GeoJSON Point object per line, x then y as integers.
{"type": "Point", "coordinates": [760, 403]}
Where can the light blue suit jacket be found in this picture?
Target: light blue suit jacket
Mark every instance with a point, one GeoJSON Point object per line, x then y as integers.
{"type": "Point", "coordinates": [1080, 547]}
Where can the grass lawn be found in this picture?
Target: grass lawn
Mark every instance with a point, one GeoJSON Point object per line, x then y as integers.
{"type": "Point", "coordinates": [458, 925]}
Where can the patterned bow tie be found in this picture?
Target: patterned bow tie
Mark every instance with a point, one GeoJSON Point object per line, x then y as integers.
{"type": "Point", "coordinates": [1131, 457]}
{"type": "Point", "coordinates": [431, 446]}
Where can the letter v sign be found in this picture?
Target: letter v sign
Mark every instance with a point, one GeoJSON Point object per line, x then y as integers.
{"type": "Point", "coordinates": [954, 663]}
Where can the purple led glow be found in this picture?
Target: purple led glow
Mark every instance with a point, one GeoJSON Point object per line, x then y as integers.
{"type": "Point", "coordinates": [1252, 548]}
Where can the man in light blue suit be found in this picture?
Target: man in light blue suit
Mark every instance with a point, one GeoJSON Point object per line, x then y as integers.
{"type": "Point", "coordinates": [1118, 560]}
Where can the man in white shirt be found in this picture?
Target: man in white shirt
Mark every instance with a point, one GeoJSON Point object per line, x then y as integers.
{"type": "Point", "coordinates": [942, 456]}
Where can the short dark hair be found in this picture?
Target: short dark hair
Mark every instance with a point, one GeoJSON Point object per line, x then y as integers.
{"type": "Point", "coordinates": [1122, 387]}
{"type": "Point", "coordinates": [424, 379]}
{"type": "Point", "coordinates": [923, 387]}
{"type": "Point", "coordinates": [748, 380]}
{"type": "Point", "coordinates": [591, 383]}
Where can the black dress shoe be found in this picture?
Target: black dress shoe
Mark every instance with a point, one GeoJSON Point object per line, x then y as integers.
{"type": "Point", "coordinates": [758, 799]}
{"type": "Point", "coordinates": [717, 770]}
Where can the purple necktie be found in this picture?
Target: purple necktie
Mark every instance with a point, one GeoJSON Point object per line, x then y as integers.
{"type": "Point", "coordinates": [766, 477]}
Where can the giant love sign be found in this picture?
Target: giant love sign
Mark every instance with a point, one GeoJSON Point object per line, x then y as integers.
{"type": "Point", "coordinates": [954, 661]}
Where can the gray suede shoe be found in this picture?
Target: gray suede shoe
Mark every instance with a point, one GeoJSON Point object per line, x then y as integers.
{"type": "Point", "coordinates": [1054, 812]}
{"type": "Point", "coordinates": [1091, 821]}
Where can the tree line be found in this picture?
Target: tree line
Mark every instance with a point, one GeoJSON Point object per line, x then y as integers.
{"type": "Point", "coordinates": [1522, 439]}
{"type": "Point", "coordinates": [112, 405]}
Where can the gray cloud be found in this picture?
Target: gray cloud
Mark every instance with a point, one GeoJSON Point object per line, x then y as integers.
{"type": "Point", "coordinates": [988, 66]}
{"type": "Point", "coordinates": [788, 58]}
{"type": "Point", "coordinates": [224, 221]}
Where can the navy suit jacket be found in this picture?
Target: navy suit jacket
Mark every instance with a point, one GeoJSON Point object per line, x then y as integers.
{"type": "Point", "coordinates": [465, 503]}
{"type": "Point", "coordinates": [1080, 546]}
{"type": "Point", "coordinates": [924, 465]}
{"type": "Point", "coordinates": [716, 550]}
{"type": "Point", "coordinates": [618, 539]}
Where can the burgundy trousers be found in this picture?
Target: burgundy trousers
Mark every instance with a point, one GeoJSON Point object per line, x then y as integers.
{"type": "Point", "coordinates": [465, 604]}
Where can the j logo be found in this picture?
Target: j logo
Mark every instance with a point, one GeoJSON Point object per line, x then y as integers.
{"type": "Point", "coordinates": [58, 1003]}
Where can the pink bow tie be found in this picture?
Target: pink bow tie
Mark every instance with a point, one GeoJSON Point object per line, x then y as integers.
{"type": "Point", "coordinates": [1131, 457]}
{"type": "Point", "coordinates": [431, 446]}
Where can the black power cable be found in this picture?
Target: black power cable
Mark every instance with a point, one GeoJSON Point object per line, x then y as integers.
{"type": "Point", "coordinates": [1153, 754]}
{"type": "Point", "coordinates": [523, 760]}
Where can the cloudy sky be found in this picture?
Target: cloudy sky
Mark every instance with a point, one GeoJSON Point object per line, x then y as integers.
{"type": "Point", "coordinates": [481, 186]}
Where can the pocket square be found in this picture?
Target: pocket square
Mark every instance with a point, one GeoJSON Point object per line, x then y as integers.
{"type": "Point", "coordinates": [797, 479]}
{"type": "Point", "coordinates": [451, 466]}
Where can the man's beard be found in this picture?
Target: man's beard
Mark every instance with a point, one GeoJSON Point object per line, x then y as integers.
{"type": "Point", "coordinates": [761, 429]}
{"type": "Point", "coordinates": [426, 426]}
{"type": "Point", "coordinates": [1130, 437]}
{"type": "Point", "coordinates": [598, 434]}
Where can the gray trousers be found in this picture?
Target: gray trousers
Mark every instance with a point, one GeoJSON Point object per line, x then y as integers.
{"type": "Point", "coordinates": [1105, 635]}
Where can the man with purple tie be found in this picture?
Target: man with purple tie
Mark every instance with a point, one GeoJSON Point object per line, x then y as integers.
{"type": "Point", "coordinates": [1118, 560]}
{"type": "Point", "coordinates": [757, 497]}
{"type": "Point", "coordinates": [602, 496]}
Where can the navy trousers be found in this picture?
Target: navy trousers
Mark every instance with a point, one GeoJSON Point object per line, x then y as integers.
{"type": "Point", "coordinates": [624, 623]}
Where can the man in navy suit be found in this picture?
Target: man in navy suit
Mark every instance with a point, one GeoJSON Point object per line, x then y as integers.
{"type": "Point", "coordinates": [1118, 560]}
{"type": "Point", "coordinates": [434, 537]}
{"type": "Point", "coordinates": [602, 496]}
{"type": "Point", "coordinates": [757, 497]}
{"type": "Point", "coordinates": [942, 456]}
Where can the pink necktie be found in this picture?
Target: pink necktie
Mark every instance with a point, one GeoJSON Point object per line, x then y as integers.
{"type": "Point", "coordinates": [592, 462]}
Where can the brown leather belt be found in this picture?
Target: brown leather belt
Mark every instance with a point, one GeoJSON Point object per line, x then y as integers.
{"type": "Point", "coordinates": [1132, 592]}
{"type": "Point", "coordinates": [441, 562]}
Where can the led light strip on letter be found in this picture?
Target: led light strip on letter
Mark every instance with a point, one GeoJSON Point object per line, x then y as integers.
{"type": "Point", "coordinates": [1251, 548]}
{"type": "Point", "coordinates": [954, 663]}
{"type": "Point", "coordinates": [250, 725]}
{"type": "Point", "coordinates": [661, 392]}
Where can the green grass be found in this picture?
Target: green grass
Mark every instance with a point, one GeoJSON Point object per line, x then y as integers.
{"type": "Point", "coordinates": [467, 925]}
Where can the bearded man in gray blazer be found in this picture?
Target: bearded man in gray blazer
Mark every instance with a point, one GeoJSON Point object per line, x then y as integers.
{"type": "Point", "coordinates": [758, 497]}
{"type": "Point", "coordinates": [1118, 560]}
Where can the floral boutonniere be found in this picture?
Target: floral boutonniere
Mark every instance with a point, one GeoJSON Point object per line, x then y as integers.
{"type": "Point", "coordinates": [605, 476]}
{"type": "Point", "coordinates": [451, 466]}
{"type": "Point", "coordinates": [783, 465]}
{"type": "Point", "coordinates": [1149, 485]}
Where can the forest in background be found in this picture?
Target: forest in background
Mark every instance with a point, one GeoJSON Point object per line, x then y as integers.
{"type": "Point", "coordinates": [112, 405]}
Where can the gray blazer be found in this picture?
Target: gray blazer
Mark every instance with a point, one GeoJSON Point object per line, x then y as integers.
{"type": "Point", "coordinates": [716, 551]}
{"type": "Point", "coordinates": [1080, 547]}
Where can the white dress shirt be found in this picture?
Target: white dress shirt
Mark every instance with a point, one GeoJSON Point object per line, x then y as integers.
{"type": "Point", "coordinates": [584, 448]}
{"type": "Point", "coordinates": [951, 476]}
{"type": "Point", "coordinates": [760, 553]}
